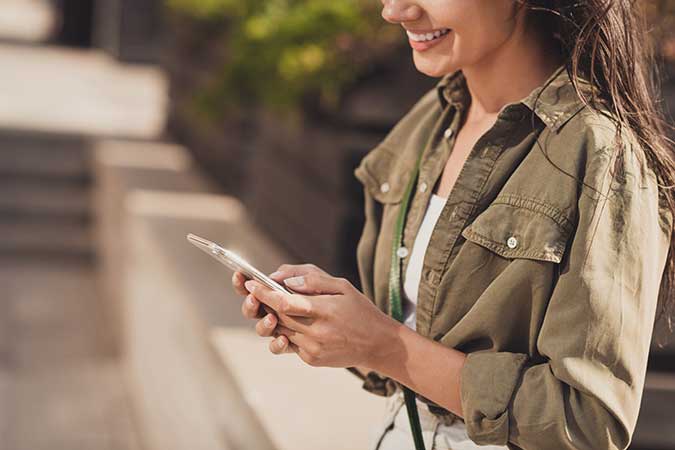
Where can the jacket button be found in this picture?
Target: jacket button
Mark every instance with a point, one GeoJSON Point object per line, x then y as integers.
{"type": "Point", "coordinates": [512, 242]}
{"type": "Point", "coordinates": [423, 187]}
{"type": "Point", "coordinates": [448, 133]}
{"type": "Point", "coordinates": [384, 188]}
{"type": "Point", "coordinates": [402, 252]}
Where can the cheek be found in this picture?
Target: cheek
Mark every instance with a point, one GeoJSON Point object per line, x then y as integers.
{"type": "Point", "coordinates": [481, 26]}
{"type": "Point", "coordinates": [480, 38]}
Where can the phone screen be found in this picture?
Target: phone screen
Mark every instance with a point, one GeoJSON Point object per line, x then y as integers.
{"type": "Point", "coordinates": [235, 262]}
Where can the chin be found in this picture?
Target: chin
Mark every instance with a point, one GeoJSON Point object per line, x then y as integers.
{"type": "Point", "coordinates": [432, 67]}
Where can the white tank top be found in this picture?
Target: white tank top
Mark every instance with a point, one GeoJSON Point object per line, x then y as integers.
{"type": "Point", "coordinates": [413, 272]}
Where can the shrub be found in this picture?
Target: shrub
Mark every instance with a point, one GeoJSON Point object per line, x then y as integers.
{"type": "Point", "coordinates": [279, 52]}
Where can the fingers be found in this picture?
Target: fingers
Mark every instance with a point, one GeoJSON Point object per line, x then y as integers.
{"type": "Point", "coordinates": [293, 340]}
{"type": "Point", "coordinates": [250, 308]}
{"type": "Point", "coordinates": [281, 344]}
{"type": "Point", "coordinates": [238, 280]}
{"type": "Point", "coordinates": [294, 270]}
{"type": "Point", "coordinates": [269, 326]}
{"type": "Point", "coordinates": [292, 305]}
{"type": "Point", "coordinates": [265, 326]}
{"type": "Point", "coordinates": [297, 323]}
{"type": "Point", "coordinates": [318, 284]}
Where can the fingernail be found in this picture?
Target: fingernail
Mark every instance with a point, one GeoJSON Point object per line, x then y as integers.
{"type": "Point", "coordinates": [295, 281]}
{"type": "Point", "coordinates": [250, 301]}
{"type": "Point", "coordinates": [268, 321]}
{"type": "Point", "coordinates": [249, 285]}
{"type": "Point", "coordinates": [280, 344]}
{"type": "Point", "coordinates": [275, 274]}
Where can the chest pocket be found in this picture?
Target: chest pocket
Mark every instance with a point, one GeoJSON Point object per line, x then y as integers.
{"type": "Point", "coordinates": [516, 227]}
{"type": "Point", "coordinates": [384, 175]}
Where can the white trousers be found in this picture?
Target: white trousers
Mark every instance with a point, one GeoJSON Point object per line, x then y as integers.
{"type": "Point", "coordinates": [394, 432]}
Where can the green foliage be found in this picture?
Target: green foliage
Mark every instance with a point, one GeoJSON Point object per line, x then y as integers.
{"type": "Point", "coordinates": [279, 51]}
{"type": "Point", "coordinates": [209, 9]}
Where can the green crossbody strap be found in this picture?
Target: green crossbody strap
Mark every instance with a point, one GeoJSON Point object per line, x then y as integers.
{"type": "Point", "coordinates": [395, 306]}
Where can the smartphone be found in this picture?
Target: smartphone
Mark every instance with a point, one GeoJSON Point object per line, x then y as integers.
{"type": "Point", "coordinates": [235, 262]}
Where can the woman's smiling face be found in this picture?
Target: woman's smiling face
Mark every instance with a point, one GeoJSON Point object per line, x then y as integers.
{"type": "Point", "coordinates": [447, 35]}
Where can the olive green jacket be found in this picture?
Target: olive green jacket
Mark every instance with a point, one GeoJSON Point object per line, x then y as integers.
{"type": "Point", "coordinates": [543, 267]}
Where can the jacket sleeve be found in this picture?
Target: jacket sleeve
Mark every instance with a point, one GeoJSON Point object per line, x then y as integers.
{"type": "Point", "coordinates": [595, 337]}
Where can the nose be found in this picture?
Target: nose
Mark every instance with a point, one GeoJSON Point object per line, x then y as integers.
{"type": "Point", "coordinates": [397, 11]}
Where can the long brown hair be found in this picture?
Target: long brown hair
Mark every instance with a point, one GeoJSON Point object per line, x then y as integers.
{"type": "Point", "coordinates": [606, 42]}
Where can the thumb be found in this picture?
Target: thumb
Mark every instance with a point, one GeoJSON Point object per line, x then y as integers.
{"type": "Point", "coordinates": [294, 270]}
{"type": "Point", "coordinates": [317, 284]}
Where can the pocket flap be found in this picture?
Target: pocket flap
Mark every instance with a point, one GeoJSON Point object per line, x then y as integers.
{"type": "Point", "coordinates": [519, 231]}
{"type": "Point", "coordinates": [384, 175]}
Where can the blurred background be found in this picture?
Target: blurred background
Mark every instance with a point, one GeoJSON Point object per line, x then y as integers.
{"type": "Point", "coordinates": [125, 125]}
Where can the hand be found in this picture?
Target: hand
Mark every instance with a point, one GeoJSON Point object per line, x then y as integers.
{"type": "Point", "coordinates": [327, 322]}
{"type": "Point", "coordinates": [268, 320]}
{"type": "Point", "coordinates": [250, 308]}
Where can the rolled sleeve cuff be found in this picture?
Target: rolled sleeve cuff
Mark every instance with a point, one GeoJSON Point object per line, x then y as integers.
{"type": "Point", "coordinates": [488, 381]}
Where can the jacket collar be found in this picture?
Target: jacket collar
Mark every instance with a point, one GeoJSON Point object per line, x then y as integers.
{"type": "Point", "coordinates": [554, 102]}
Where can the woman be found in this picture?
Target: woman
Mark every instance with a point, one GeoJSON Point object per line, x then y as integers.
{"type": "Point", "coordinates": [537, 236]}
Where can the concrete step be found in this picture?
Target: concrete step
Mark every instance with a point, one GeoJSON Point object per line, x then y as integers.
{"type": "Point", "coordinates": [52, 315]}
{"type": "Point", "coordinates": [120, 167]}
{"type": "Point", "coordinates": [76, 406]}
{"type": "Point", "coordinates": [45, 238]}
{"type": "Point", "coordinates": [45, 183]}
{"type": "Point", "coordinates": [59, 390]}
{"type": "Point", "coordinates": [43, 156]}
{"type": "Point", "coordinates": [80, 91]}
{"type": "Point", "coordinates": [29, 199]}
{"type": "Point", "coordinates": [322, 397]}
{"type": "Point", "coordinates": [171, 294]}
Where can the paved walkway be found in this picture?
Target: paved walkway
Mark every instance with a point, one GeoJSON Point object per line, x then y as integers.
{"type": "Point", "coordinates": [58, 388]}
{"type": "Point", "coordinates": [62, 90]}
{"type": "Point", "coordinates": [76, 91]}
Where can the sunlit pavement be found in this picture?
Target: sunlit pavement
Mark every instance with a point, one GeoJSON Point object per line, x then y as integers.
{"type": "Point", "coordinates": [60, 386]}
{"type": "Point", "coordinates": [81, 92]}
{"type": "Point", "coordinates": [62, 90]}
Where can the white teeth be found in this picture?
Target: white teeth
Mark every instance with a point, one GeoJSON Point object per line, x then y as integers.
{"type": "Point", "coordinates": [427, 36]}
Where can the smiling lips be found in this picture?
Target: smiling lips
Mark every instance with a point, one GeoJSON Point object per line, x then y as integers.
{"type": "Point", "coordinates": [423, 41]}
{"type": "Point", "coordinates": [423, 37]}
